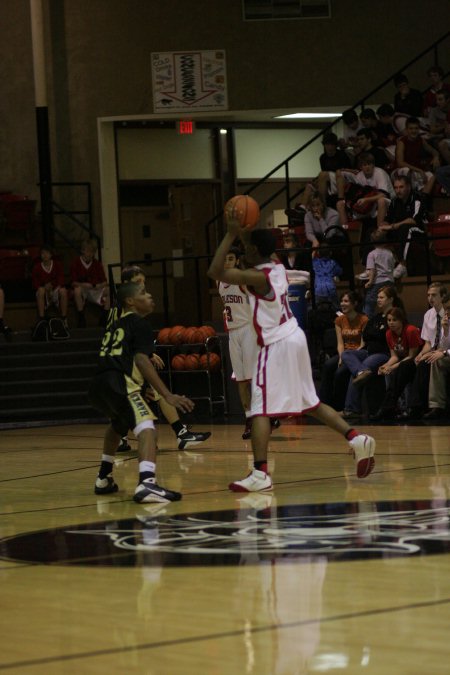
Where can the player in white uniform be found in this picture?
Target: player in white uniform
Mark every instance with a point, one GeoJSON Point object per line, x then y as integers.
{"type": "Point", "coordinates": [282, 382]}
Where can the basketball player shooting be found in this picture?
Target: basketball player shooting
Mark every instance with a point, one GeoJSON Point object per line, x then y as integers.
{"type": "Point", "coordinates": [282, 382]}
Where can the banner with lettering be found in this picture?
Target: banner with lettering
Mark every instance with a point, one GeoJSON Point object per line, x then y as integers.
{"type": "Point", "coordinates": [185, 81]}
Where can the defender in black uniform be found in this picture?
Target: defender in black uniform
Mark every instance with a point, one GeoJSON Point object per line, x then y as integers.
{"type": "Point", "coordinates": [124, 366]}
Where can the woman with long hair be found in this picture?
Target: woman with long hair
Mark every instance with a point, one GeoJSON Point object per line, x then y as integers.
{"type": "Point", "coordinates": [404, 343]}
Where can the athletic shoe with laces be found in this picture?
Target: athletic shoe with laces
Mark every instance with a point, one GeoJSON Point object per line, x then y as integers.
{"type": "Point", "coordinates": [124, 446]}
{"type": "Point", "coordinates": [149, 491]}
{"type": "Point", "coordinates": [187, 439]}
{"type": "Point", "coordinates": [256, 481]}
{"type": "Point", "coordinates": [105, 486]}
{"type": "Point", "coordinates": [363, 450]}
{"type": "Point", "coordinates": [275, 423]}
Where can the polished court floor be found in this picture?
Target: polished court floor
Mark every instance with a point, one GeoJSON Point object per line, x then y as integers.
{"type": "Point", "coordinates": [329, 574]}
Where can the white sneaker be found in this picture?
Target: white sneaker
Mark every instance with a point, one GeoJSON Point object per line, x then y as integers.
{"type": "Point", "coordinates": [400, 271]}
{"type": "Point", "coordinates": [363, 276]}
{"type": "Point", "coordinates": [363, 448]}
{"type": "Point", "coordinates": [256, 481]}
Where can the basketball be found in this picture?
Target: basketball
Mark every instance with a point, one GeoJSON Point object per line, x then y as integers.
{"type": "Point", "coordinates": [210, 361]}
{"type": "Point", "coordinates": [196, 336]}
{"type": "Point", "coordinates": [163, 336]}
{"type": "Point", "coordinates": [188, 333]}
{"type": "Point", "coordinates": [208, 331]}
{"type": "Point", "coordinates": [176, 335]}
{"type": "Point", "coordinates": [178, 362]}
{"type": "Point", "coordinates": [245, 209]}
{"type": "Point", "coordinates": [192, 362]}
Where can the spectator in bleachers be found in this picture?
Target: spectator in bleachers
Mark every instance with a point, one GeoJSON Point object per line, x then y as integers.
{"type": "Point", "coordinates": [404, 343]}
{"type": "Point", "coordinates": [369, 121]}
{"type": "Point", "coordinates": [375, 202]}
{"type": "Point", "coordinates": [414, 154]}
{"type": "Point", "coordinates": [351, 126]}
{"type": "Point", "coordinates": [326, 274]}
{"type": "Point", "coordinates": [48, 281]}
{"type": "Point", "coordinates": [364, 363]}
{"type": "Point", "coordinates": [439, 122]}
{"type": "Point", "coordinates": [318, 219]}
{"type": "Point", "coordinates": [407, 101]}
{"type": "Point", "coordinates": [443, 178]}
{"type": "Point", "coordinates": [380, 269]}
{"type": "Point", "coordinates": [4, 329]}
{"type": "Point", "coordinates": [335, 375]}
{"type": "Point", "coordinates": [293, 260]}
{"type": "Point", "coordinates": [386, 134]}
{"type": "Point", "coordinates": [89, 283]}
{"type": "Point", "coordinates": [440, 369]}
{"type": "Point", "coordinates": [432, 336]}
{"type": "Point", "coordinates": [364, 144]}
{"type": "Point", "coordinates": [405, 216]}
{"type": "Point", "coordinates": [436, 75]}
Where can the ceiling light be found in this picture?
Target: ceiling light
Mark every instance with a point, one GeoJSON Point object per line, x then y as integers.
{"type": "Point", "coordinates": [308, 116]}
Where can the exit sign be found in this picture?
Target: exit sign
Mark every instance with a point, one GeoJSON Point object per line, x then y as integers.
{"type": "Point", "coordinates": [185, 127]}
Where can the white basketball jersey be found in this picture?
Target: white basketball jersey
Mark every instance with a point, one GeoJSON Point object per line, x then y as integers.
{"type": "Point", "coordinates": [272, 316]}
{"type": "Point", "coordinates": [237, 311]}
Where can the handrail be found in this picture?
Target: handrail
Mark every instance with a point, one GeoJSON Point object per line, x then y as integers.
{"type": "Point", "coordinates": [285, 162]}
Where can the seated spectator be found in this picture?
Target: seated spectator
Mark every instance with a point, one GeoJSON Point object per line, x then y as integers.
{"type": "Point", "coordinates": [386, 134]}
{"type": "Point", "coordinates": [318, 219]}
{"type": "Point", "coordinates": [404, 343]}
{"type": "Point", "coordinates": [364, 144]}
{"type": "Point", "coordinates": [431, 335]}
{"type": "Point", "coordinates": [351, 126]}
{"type": "Point", "coordinates": [414, 154]}
{"type": "Point", "coordinates": [293, 259]}
{"type": "Point", "coordinates": [443, 178]}
{"type": "Point", "coordinates": [439, 120]}
{"type": "Point", "coordinates": [375, 201]}
{"type": "Point", "coordinates": [369, 121]}
{"type": "Point", "coordinates": [89, 282]}
{"type": "Point", "coordinates": [4, 329]}
{"type": "Point", "coordinates": [436, 75]}
{"type": "Point", "coordinates": [335, 375]}
{"type": "Point", "coordinates": [326, 274]}
{"type": "Point", "coordinates": [380, 269]}
{"type": "Point", "coordinates": [364, 363]}
{"type": "Point", "coordinates": [405, 215]}
{"type": "Point", "coordinates": [440, 369]}
{"type": "Point", "coordinates": [407, 101]}
{"type": "Point", "coordinates": [47, 278]}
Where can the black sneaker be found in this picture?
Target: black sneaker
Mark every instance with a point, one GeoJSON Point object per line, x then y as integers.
{"type": "Point", "coordinates": [149, 491]}
{"type": "Point", "coordinates": [105, 486]}
{"type": "Point", "coordinates": [124, 446]}
{"type": "Point", "coordinates": [275, 423]}
{"type": "Point", "coordinates": [187, 439]}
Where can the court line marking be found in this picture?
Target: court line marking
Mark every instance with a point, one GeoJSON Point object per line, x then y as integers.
{"type": "Point", "coordinates": [222, 635]}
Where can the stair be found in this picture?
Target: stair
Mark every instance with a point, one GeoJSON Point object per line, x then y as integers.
{"type": "Point", "coordinates": [47, 381]}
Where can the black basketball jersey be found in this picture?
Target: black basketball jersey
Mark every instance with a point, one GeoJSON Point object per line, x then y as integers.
{"type": "Point", "coordinates": [128, 336]}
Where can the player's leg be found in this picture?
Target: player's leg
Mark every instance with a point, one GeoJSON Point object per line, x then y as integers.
{"type": "Point", "coordinates": [259, 479]}
{"type": "Point", "coordinates": [105, 483]}
{"type": "Point", "coordinates": [148, 490]}
{"type": "Point", "coordinates": [186, 437]}
{"type": "Point", "coordinates": [363, 446]}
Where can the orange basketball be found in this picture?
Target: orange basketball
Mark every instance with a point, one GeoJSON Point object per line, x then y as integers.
{"type": "Point", "coordinates": [245, 209]}
{"type": "Point", "coordinates": [208, 331]}
{"type": "Point", "coordinates": [196, 336]}
{"type": "Point", "coordinates": [178, 362]}
{"type": "Point", "coordinates": [176, 335]}
{"type": "Point", "coordinates": [188, 332]}
{"type": "Point", "coordinates": [210, 361]}
{"type": "Point", "coordinates": [163, 336]}
{"type": "Point", "coordinates": [192, 362]}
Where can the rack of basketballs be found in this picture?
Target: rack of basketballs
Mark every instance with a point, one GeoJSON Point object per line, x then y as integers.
{"type": "Point", "coordinates": [194, 349]}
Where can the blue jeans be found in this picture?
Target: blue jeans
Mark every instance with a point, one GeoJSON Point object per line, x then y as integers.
{"type": "Point", "coordinates": [357, 360]}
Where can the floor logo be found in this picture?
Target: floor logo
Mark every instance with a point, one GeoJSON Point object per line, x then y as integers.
{"type": "Point", "coordinates": [265, 532]}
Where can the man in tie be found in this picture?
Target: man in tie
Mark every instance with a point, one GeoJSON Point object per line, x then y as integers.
{"type": "Point", "coordinates": [440, 369]}
{"type": "Point", "coordinates": [432, 335]}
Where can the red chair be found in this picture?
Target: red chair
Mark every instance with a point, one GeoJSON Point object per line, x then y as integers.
{"type": "Point", "coordinates": [440, 227]}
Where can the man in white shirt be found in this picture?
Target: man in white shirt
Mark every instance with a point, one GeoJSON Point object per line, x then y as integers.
{"type": "Point", "coordinates": [440, 368]}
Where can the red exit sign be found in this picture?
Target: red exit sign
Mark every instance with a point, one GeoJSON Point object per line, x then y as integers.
{"type": "Point", "coordinates": [185, 127]}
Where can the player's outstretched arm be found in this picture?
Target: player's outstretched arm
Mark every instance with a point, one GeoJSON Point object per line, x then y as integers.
{"type": "Point", "coordinates": [149, 373]}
